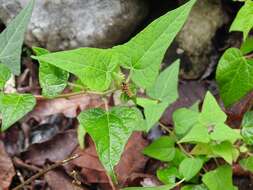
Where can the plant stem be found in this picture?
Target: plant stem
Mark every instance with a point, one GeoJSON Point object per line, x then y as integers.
{"type": "Point", "coordinates": [178, 144]}
{"type": "Point", "coordinates": [129, 76]}
{"type": "Point", "coordinates": [179, 183]}
{"type": "Point", "coordinates": [67, 95]}
{"type": "Point", "coordinates": [76, 85]}
{"type": "Point", "coordinates": [44, 171]}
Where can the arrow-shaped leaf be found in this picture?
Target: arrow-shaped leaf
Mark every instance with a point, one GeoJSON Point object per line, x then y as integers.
{"type": "Point", "coordinates": [94, 67]}
{"type": "Point", "coordinates": [110, 132]}
{"type": "Point", "coordinates": [144, 53]}
{"type": "Point", "coordinates": [14, 106]}
{"type": "Point", "coordinates": [234, 76]}
{"type": "Point", "coordinates": [11, 39]}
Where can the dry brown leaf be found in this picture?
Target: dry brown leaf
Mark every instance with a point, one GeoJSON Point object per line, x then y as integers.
{"type": "Point", "coordinates": [58, 180]}
{"type": "Point", "coordinates": [56, 149]}
{"type": "Point", "coordinates": [132, 160]}
{"type": "Point", "coordinates": [68, 106]}
{"type": "Point", "coordinates": [7, 171]}
{"type": "Point", "coordinates": [131, 163]}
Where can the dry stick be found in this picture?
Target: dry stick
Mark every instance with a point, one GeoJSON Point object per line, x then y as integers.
{"type": "Point", "coordinates": [44, 171]}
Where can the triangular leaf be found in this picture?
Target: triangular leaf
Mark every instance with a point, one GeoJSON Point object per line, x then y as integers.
{"type": "Point", "coordinates": [224, 150]}
{"type": "Point", "coordinates": [165, 87]}
{"type": "Point", "coordinates": [234, 76]}
{"type": "Point", "coordinates": [219, 178]}
{"type": "Point", "coordinates": [161, 149]}
{"type": "Point", "coordinates": [221, 132]}
{"type": "Point", "coordinates": [189, 167]}
{"type": "Point", "coordinates": [143, 54]}
{"type": "Point", "coordinates": [14, 106]}
{"type": "Point", "coordinates": [11, 39]}
{"type": "Point", "coordinates": [110, 132]}
{"type": "Point", "coordinates": [52, 79]}
{"type": "Point", "coordinates": [247, 163]}
{"type": "Point", "coordinates": [197, 134]}
{"type": "Point", "coordinates": [247, 46]}
{"type": "Point", "coordinates": [244, 19]}
{"type": "Point", "coordinates": [211, 112]}
{"type": "Point", "coordinates": [247, 128]}
{"type": "Point", "coordinates": [152, 110]}
{"type": "Point", "coordinates": [184, 119]}
{"type": "Point", "coordinates": [168, 175]}
{"type": "Point", "coordinates": [94, 67]}
{"type": "Point", "coordinates": [5, 74]}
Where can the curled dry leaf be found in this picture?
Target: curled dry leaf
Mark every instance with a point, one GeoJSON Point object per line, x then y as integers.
{"type": "Point", "coordinates": [7, 171]}
{"type": "Point", "coordinates": [68, 106]}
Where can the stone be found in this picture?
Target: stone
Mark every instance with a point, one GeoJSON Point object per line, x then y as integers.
{"type": "Point", "coordinates": [68, 24]}
{"type": "Point", "coordinates": [195, 41]}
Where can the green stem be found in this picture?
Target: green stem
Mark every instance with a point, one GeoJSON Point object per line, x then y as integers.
{"type": "Point", "coordinates": [178, 144]}
{"type": "Point", "coordinates": [68, 95]}
{"type": "Point", "coordinates": [129, 76]}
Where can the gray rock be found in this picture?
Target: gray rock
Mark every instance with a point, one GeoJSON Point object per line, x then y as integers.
{"type": "Point", "coordinates": [67, 24]}
{"type": "Point", "coordinates": [195, 39]}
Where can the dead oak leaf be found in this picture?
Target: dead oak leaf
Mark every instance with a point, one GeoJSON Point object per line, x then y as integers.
{"type": "Point", "coordinates": [67, 106]}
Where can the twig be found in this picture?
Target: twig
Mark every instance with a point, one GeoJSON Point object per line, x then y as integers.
{"type": "Point", "coordinates": [20, 164]}
{"type": "Point", "coordinates": [44, 171]}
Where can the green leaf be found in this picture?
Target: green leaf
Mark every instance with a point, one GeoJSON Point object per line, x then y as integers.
{"type": "Point", "coordinates": [202, 149]}
{"type": "Point", "coordinates": [5, 74]}
{"type": "Point", "coordinates": [184, 119]}
{"type": "Point", "coordinates": [211, 106]}
{"type": "Point", "coordinates": [178, 158]}
{"type": "Point", "coordinates": [161, 149]}
{"type": "Point", "coordinates": [194, 187]}
{"type": "Point", "coordinates": [247, 46]}
{"type": "Point", "coordinates": [13, 107]}
{"type": "Point", "coordinates": [152, 111]}
{"type": "Point", "coordinates": [247, 163]}
{"type": "Point", "coordinates": [219, 178]}
{"type": "Point", "coordinates": [244, 19]}
{"type": "Point", "coordinates": [247, 127]}
{"type": "Point", "coordinates": [110, 132]}
{"type": "Point", "coordinates": [222, 132]}
{"type": "Point", "coordinates": [168, 175]}
{"type": "Point", "coordinates": [11, 39]}
{"type": "Point", "coordinates": [190, 167]}
{"type": "Point", "coordinates": [225, 150]}
{"type": "Point", "coordinates": [234, 76]}
{"type": "Point", "coordinates": [163, 187]}
{"type": "Point", "coordinates": [94, 67]}
{"type": "Point", "coordinates": [198, 134]}
{"type": "Point", "coordinates": [165, 87]}
{"type": "Point", "coordinates": [143, 54]}
{"type": "Point", "coordinates": [52, 79]}
{"type": "Point", "coordinates": [205, 126]}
